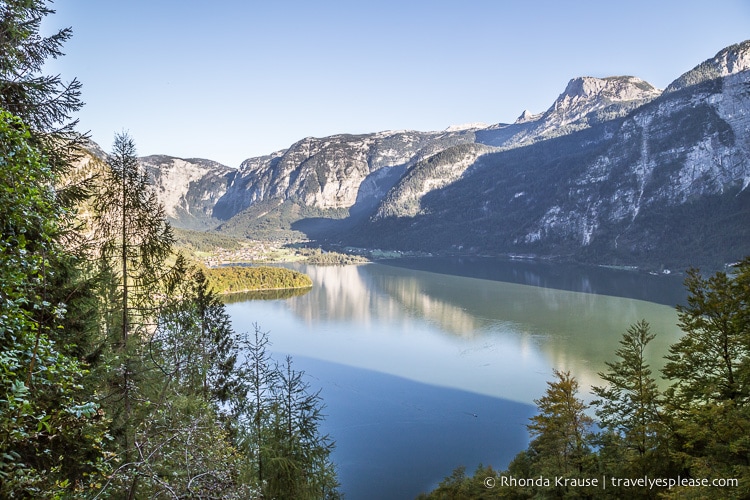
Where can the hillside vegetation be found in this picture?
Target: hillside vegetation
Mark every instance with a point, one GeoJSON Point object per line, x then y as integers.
{"type": "Point", "coordinates": [120, 373]}
{"type": "Point", "coordinates": [234, 279]}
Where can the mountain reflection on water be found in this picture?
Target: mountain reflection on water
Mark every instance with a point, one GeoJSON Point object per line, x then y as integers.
{"type": "Point", "coordinates": [466, 332]}
{"type": "Point", "coordinates": [275, 294]}
{"type": "Point", "coordinates": [663, 288]}
{"type": "Point", "coordinates": [426, 369]}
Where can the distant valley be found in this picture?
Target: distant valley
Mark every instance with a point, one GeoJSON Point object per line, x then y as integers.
{"type": "Point", "coordinates": [615, 172]}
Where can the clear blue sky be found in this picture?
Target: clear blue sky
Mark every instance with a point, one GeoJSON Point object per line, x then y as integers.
{"type": "Point", "coordinates": [232, 79]}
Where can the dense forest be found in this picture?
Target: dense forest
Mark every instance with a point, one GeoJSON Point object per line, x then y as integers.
{"type": "Point", "coordinates": [691, 440]}
{"type": "Point", "coordinates": [120, 374]}
{"type": "Point", "coordinates": [233, 279]}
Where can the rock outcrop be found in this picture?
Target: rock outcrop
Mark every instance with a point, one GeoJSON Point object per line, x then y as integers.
{"type": "Point", "coordinates": [614, 170]}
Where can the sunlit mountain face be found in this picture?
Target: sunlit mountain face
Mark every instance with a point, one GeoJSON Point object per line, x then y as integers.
{"type": "Point", "coordinates": [614, 172]}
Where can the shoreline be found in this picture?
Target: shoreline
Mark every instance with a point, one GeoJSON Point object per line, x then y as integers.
{"type": "Point", "coordinates": [264, 289]}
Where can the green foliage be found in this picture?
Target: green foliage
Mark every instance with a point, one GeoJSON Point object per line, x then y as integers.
{"type": "Point", "coordinates": [278, 419]}
{"type": "Point", "coordinates": [118, 365]}
{"type": "Point", "coordinates": [43, 102]}
{"type": "Point", "coordinates": [184, 451]}
{"type": "Point", "coordinates": [185, 409]}
{"type": "Point", "coordinates": [633, 439]}
{"type": "Point", "coordinates": [710, 369]}
{"type": "Point", "coordinates": [709, 363]}
{"type": "Point", "coordinates": [134, 237]}
{"type": "Point", "coordinates": [236, 279]}
{"type": "Point", "coordinates": [321, 257]}
{"type": "Point", "coordinates": [297, 455]}
{"type": "Point", "coordinates": [561, 432]}
{"type": "Point", "coordinates": [51, 438]}
{"type": "Point", "coordinates": [203, 241]}
{"type": "Point", "coordinates": [194, 342]}
{"type": "Point", "coordinates": [459, 486]}
{"type": "Point", "coordinates": [698, 430]}
{"type": "Point", "coordinates": [182, 374]}
{"type": "Point", "coordinates": [133, 243]}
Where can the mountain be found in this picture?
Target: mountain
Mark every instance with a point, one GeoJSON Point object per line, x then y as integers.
{"type": "Point", "coordinates": [615, 171]}
{"type": "Point", "coordinates": [585, 102]}
{"type": "Point", "coordinates": [189, 189]}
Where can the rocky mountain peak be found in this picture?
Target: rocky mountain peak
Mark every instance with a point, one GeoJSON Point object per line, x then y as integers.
{"type": "Point", "coordinates": [599, 173]}
{"type": "Point", "coordinates": [586, 100]}
{"type": "Point", "coordinates": [731, 60]}
{"type": "Point", "coordinates": [586, 94]}
{"type": "Point", "coordinates": [528, 116]}
{"type": "Point", "coordinates": [735, 58]}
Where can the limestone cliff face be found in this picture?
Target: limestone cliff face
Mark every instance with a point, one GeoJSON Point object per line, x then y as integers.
{"type": "Point", "coordinates": [333, 172]}
{"type": "Point", "coordinates": [691, 143]}
{"type": "Point", "coordinates": [614, 164]}
{"type": "Point", "coordinates": [674, 168]}
{"type": "Point", "coordinates": [188, 188]}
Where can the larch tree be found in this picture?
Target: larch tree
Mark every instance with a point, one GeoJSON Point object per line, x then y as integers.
{"type": "Point", "coordinates": [278, 421]}
{"type": "Point", "coordinates": [298, 459]}
{"type": "Point", "coordinates": [252, 408]}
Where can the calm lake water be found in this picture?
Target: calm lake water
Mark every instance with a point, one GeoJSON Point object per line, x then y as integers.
{"type": "Point", "coordinates": [428, 364]}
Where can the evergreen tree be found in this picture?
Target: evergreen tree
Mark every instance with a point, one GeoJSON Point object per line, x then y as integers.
{"type": "Point", "coordinates": [633, 438]}
{"type": "Point", "coordinates": [134, 237]}
{"type": "Point", "coordinates": [710, 372]}
{"type": "Point", "coordinates": [298, 458]}
{"type": "Point", "coordinates": [172, 347]}
{"type": "Point", "coordinates": [253, 409]}
{"type": "Point", "coordinates": [134, 241]}
{"type": "Point", "coordinates": [164, 405]}
{"type": "Point", "coordinates": [218, 344]}
{"type": "Point", "coordinates": [709, 363]}
{"type": "Point", "coordinates": [51, 437]}
{"type": "Point", "coordinates": [194, 343]}
{"type": "Point", "coordinates": [185, 436]}
{"type": "Point", "coordinates": [278, 427]}
{"type": "Point", "coordinates": [699, 429]}
{"type": "Point", "coordinates": [561, 435]}
{"type": "Point", "coordinates": [44, 102]}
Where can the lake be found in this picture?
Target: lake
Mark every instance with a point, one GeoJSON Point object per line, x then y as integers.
{"type": "Point", "coordinates": [428, 364]}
